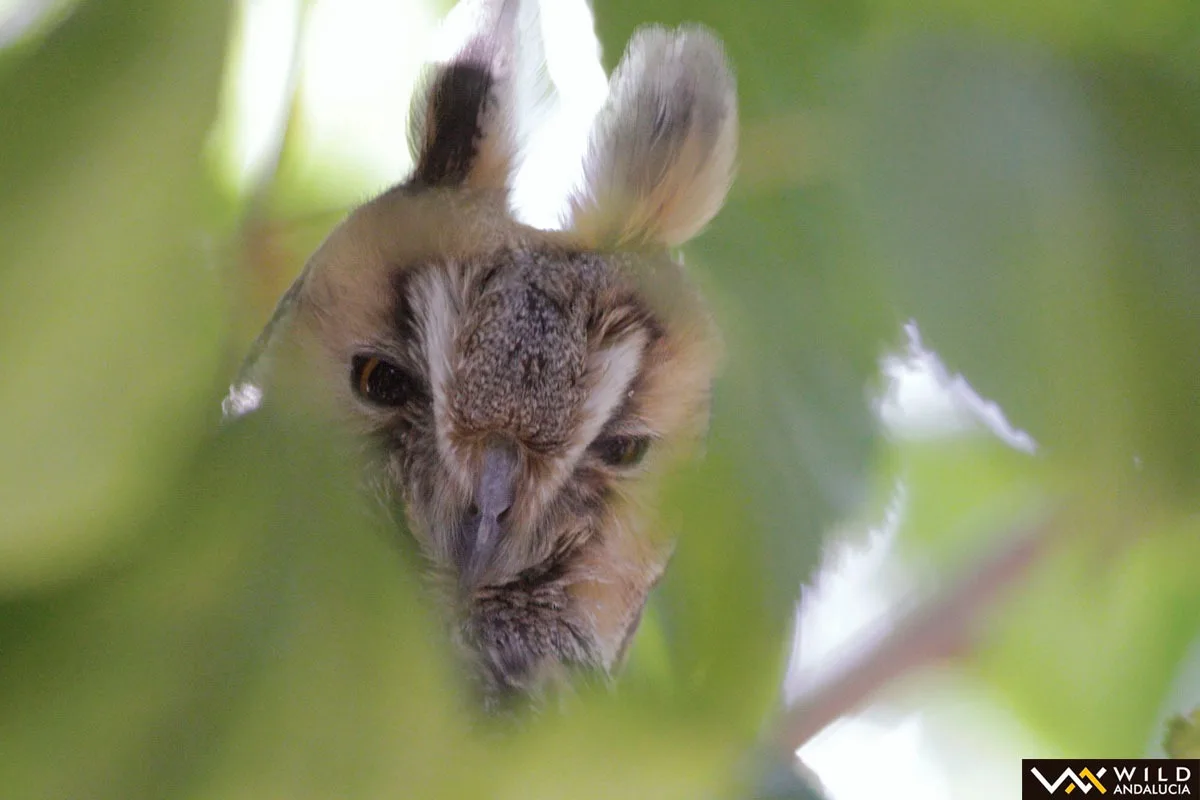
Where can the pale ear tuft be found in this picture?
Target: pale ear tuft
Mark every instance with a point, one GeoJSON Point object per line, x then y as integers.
{"type": "Point", "coordinates": [662, 150]}
{"type": "Point", "coordinates": [461, 126]}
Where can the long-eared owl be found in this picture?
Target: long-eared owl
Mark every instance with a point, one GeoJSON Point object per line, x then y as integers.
{"type": "Point", "coordinates": [518, 391]}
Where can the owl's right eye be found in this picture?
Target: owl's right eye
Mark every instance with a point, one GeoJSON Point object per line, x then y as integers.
{"type": "Point", "coordinates": [380, 382]}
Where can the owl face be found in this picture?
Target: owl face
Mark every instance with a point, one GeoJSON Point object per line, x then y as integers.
{"type": "Point", "coordinates": [518, 391]}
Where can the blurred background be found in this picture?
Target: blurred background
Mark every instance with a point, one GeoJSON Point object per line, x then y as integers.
{"type": "Point", "coordinates": [959, 276]}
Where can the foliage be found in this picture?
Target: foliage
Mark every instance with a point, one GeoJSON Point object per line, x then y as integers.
{"type": "Point", "coordinates": [1183, 736]}
{"type": "Point", "coordinates": [198, 611]}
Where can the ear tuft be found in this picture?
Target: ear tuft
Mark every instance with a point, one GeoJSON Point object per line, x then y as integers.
{"type": "Point", "coordinates": [661, 153]}
{"type": "Point", "coordinates": [460, 126]}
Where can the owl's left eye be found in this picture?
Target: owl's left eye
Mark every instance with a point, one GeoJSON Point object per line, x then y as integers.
{"type": "Point", "coordinates": [622, 451]}
{"type": "Point", "coordinates": [380, 382]}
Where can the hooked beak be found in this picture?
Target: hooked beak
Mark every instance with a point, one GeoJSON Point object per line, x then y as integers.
{"type": "Point", "coordinates": [483, 528]}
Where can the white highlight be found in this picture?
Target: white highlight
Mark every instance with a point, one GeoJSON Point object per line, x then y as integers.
{"type": "Point", "coordinates": [361, 58]}
{"type": "Point", "coordinates": [241, 400]}
{"type": "Point", "coordinates": [261, 73]}
{"type": "Point", "coordinates": [553, 159]}
{"type": "Point", "coordinates": [21, 17]}
{"type": "Point", "coordinates": [855, 591]}
{"type": "Point", "coordinates": [891, 760]}
{"type": "Point", "coordinates": [924, 400]}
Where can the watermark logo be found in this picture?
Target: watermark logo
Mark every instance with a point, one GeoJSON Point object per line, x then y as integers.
{"type": "Point", "coordinates": [1072, 780]}
{"type": "Point", "coordinates": [1051, 778]}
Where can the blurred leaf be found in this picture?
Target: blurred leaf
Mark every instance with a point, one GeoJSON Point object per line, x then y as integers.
{"type": "Point", "coordinates": [958, 490]}
{"type": "Point", "coordinates": [352, 694]}
{"type": "Point", "coordinates": [605, 749]}
{"type": "Point", "coordinates": [1044, 257]}
{"type": "Point", "coordinates": [1151, 123]}
{"type": "Point", "coordinates": [761, 38]}
{"type": "Point", "coordinates": [804, 334]}
{"type": "Point", "coordinates": [978, 201]}
{"type": "Point", "coordinates": [1088, 646]}
{"type": "Point", "coordinates": [727, 647]}
{"type": "Point", "coordinates": [24, 24]}
{"type": "Point", "coordinates": [783, 777]}
{"type": "Point", "coordinates": [109, 320]}
{"type": "Point", "coordinates": [1134, 25]}
{"type": "Point", "coordinates": [245, 653]}
{"type": "Point", "coordinates": [1087, 652]}
{"type": "Point", "coordinates": [648, 667]}
{"type": "Point", "coordinates": [1183, 736]}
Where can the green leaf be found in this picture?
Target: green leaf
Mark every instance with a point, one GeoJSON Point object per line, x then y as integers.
{"type": "Point", "coordinates": [727, 648]}
{"type": "Point", "coordinates": [265, 640]}
{"type": "Point", "coordinates": [977, 196]}
{"type": "Point", "coordinates": [1087, 651]}
{"type": "Point", "coordinates": [1085, 648]}
{"type": "Point", "coordinates": [1157, 26]}
{"type": "Point", "coordinates": [959, 493]}
{"type": "Point", "coordinates": [109, 313]}
{"type": "Point", "coordinates": [1183, 736]}
{"type": "Point", "coordinates": [804, 334]}
{"type": "Point", "coordinates": [804, 322]}
{"type": "Point", "coordinates": [1039, 221]}
{"type": "Point", "coordinates": [760, 38]}
{"type": "Point", "coordinates": [1150, 117]}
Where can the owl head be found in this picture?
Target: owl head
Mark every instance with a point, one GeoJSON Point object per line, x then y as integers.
{"type": "Point", "coordinates": [518, 391]}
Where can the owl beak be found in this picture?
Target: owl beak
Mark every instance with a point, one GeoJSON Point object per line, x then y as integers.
{"type": "Point", "coordinates": [494, 492]}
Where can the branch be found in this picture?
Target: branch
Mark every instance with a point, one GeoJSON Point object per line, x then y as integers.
{"type": "Point", "coordinates": [943, 627]}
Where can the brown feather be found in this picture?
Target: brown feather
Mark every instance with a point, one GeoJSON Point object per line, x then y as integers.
{"type": "Point", "coordinates": [537, 339]}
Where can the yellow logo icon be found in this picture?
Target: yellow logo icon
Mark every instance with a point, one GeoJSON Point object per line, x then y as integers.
{"type": "Point", "coordinates": [1083, 780]}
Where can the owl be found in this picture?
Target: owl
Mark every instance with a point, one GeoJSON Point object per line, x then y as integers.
{"type": "Point", "coordinates": [518, 392]}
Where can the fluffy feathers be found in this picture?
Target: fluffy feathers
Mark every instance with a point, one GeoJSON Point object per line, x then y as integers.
{"type": "Point", "coordinates": [662, 150]}
{"type": "Point", "coordinates": [573, 351]}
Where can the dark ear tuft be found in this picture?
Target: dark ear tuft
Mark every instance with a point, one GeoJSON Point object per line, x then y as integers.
{"type": "Point", "coordinates": [461, 129]}
{"type": "Point", "coordinates": [455, 106]}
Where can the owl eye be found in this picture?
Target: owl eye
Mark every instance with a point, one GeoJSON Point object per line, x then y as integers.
{"type": "Point", "coordinates": [380, 382]}
{"type": "Point", "coordinates": [622, 451]}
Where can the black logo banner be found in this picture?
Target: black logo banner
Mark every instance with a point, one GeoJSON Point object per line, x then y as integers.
{"type": "Point", "coordinates": [1047, 778]}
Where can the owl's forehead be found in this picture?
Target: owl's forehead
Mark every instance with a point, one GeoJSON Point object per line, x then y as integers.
{"type": "Point", "coordinates": [408, 245]}
{"type": "Point", "coordinates": [508, 325]}
{"type": "Point", "coordinates": [373, 262]}
{"type": "Point", "coordinates": [519, 342]}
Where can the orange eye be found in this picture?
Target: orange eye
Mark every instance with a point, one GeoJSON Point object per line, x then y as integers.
{"type": "Point", "coordinates": [364, 377]}
{"type": "Point", "coordinates": [622, 451]}
{"type": "Point", "coordinates": [380, 382]}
